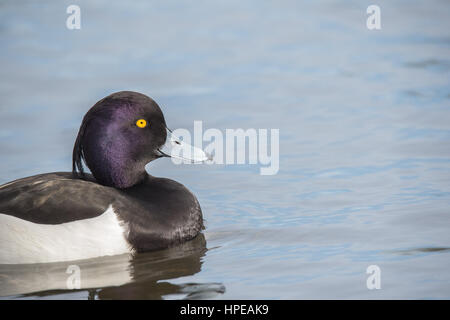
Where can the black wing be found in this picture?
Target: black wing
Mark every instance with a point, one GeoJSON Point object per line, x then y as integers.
{"type": "Point", "coordinates": [55, 198]}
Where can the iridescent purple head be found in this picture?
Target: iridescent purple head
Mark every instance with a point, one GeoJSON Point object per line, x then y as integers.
{"type": "Point", "coordinates": [119, 135]}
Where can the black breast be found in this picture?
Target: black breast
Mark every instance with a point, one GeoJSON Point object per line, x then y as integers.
{"type": "Point", "coordinates": [160, 212]}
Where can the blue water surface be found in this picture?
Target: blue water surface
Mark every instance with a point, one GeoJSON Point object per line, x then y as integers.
{"type": "Point", "coordinates": [364, 120]}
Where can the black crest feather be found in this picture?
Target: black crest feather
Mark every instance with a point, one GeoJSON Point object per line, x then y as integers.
{"type": "Point", "coordinates": [78, 153]}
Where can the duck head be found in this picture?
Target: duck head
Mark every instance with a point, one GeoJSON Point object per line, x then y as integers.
{"type": "Point", "coordinates": [120, 134]}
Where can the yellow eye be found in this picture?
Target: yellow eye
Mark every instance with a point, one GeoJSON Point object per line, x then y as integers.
{"type": "Point", "coordinates": [141, 123]}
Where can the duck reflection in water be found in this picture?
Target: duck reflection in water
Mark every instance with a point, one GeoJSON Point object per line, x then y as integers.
{"type": "Point", "coordinates": [143, 276]}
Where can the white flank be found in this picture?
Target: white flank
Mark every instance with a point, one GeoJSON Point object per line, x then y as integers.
{"type": "Point", "coordinates": [23, 241]}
